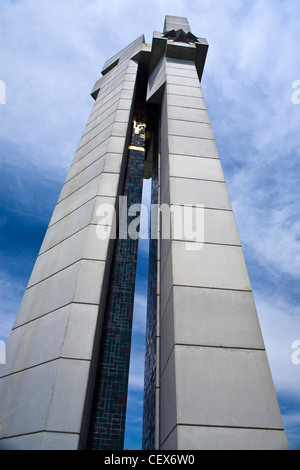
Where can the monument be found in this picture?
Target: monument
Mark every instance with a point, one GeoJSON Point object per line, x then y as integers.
{"type": "Point", "coordinates": [207, 379]}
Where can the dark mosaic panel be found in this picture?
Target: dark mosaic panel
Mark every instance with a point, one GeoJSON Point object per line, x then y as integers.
{"type": "Point", "coordinates": [150, 354]}
{"type": "Point", "coordinates": [107, 425]}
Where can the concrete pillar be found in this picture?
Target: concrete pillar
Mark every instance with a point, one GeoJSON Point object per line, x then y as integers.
{"type": "Point", "coordinates": [46, 386]}
{"type": "Point", "coordinates": [216, 389]}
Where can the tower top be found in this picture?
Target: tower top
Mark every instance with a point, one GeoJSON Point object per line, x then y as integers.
{"type": "Point", "coordinates": [176, 22]}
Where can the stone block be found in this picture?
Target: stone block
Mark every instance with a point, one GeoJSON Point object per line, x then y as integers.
{"type": "Point", "coordinates": [220, 227]}
{"type": "Point", "coordinates": [209, 317]}
{"type": "Point", "coordinates": [80, 282]}
{"type": "Point", "coordinates": [82, 245]}
{"type": "Point", "coordinates": [75, 221]}
{"type": "Point", "coordinates": [95, 131]}
{"type": "Point", "coordinates": [186, 102]}
{"type": "Point", "coordinates": [213, 266]}
{"type": "Point", "coordinates": [191, 438]}
{"type": "Point", "coordinates": [193, 147]}
{"type": "Point", "coordinates": [68, 332]}
{"type": "Point", "coordinates": [52, 398]}
{"type": "Point", "coordinates": [88, 160]}
{"type": "Point", "coordinates": [183, 81]}
{"type": "Point", "coordinates": [196, 168]}
{"type": "Point", "coordinates": [43, 441]}
{"type": "Point", "coordinates": [116, 145]}
{"type": "Point", "coordinates": [180, 64]}
{"type": "Point", "coordinates": [85, 176]}
{"type": "Point", "coordinates": [94, 143]}
{"type": "Point", "coordinates": [109, 184]}
{"type": "Point", "coordinates": [212, 194]}
{"type": "Point", "coordinates": [190, 129]}
{"type": "Point", "coordinates": [188, 114]}
{"type": "Point", "coordinates": [75, 200]}
{"type": "Point", "coordinates": [113, 163]}
{"type": "Point", "coordinates": [233, 388]}
{"type": "Point", "coordinates": [182, 90]}
{"type": "Point", "coordinates": [186, 72]}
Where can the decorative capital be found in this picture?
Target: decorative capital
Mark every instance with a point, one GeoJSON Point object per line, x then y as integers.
{"type": "Point", "coordinates": [180, 36]}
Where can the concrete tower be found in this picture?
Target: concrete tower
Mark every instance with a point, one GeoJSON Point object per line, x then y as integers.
{"type": "Point", "coordinates": [207, 380]}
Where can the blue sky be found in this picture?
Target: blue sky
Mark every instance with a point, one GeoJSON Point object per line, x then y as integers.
{"type": "Point", "coordinates": [52, 53]}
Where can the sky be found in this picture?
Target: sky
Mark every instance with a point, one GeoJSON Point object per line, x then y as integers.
{"type": "Point", "coordinates": [52, 53]}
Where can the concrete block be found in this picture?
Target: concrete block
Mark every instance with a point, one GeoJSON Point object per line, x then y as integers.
{"type": "Point", "coordinates": [52, 398]}
{"type": "Point", "coordinates": [68, 332]}
{"type": "Point", "coordinates": [101, 203]}
{"type": "Point", "coordinates": [168, 399]}
{"type": "Point", "coordinates": [74, 222]}
{"type": "Point", "coordinates": [68, 400]}
{"type": "Point", "coordinates": [213, 266]}
{"type": "Point", "coordinates": [122, 115]}
{"type": "Point", "coordinates": [220, 227]}
{"type": "Point", "coordinates": [196, 168]}
{"type": "Point", "coordinates": [183, 81]}
{"type": "Point", "coordinates": [100, 117]}
{"type": "Point", "coordinates": [42, 441]}
{"type": "Point", "coordinates": [182, 90]}
{"type": "Point", "coordinates": [157, 79]}
{"type": "Point", "coordinates": [214, 227]}
{"type": "Point", "coordinates": [100, 111]}
{"type": "Point", "coordinates": [75, 200]}
{"type": "Point", "coordinates": [94, 143]}
{"type": "Point", "coordinates": [188, 114]}
{"type": "Point", "coordinates": [88, 160]}
{"type": "Point", "coordinates": [113, 163]}
{"type": "Point", "coordinates": [40, 341]}
{"type": "Point", "coordinates": [80, 282]}
{"type": "Point", "coordinates": [214, 438]}
{"type": "Point", "coordinates": [95, 131]}
{"type": "Point", "coordinates": [190, 129]}
{"type": "Point", "coordinates": [121, 74]}
{"type": "Point", "coordinates": [82, 178]}
{"type": "Point", "coordinates": [80, 335]}
{"type": "Point", "coordinates": [89, 282]}
{"type": "Point", "coordinates": [176, 22]}
{"type": "Point", "coordinates": [108, 184]}
{"type": "Point", "coordinates": [187, 72]}
{"type": "Point", "coordinates": [109, 94]}
{"type": "Point", "coordinates": [234, 387]}
{"type": "Point", "coordinates": [98, 149]}
{"type": "Point", "coordinates": [193, 147]}
{"type": "Point", "coordinates": [125, 104]}
{"type": "Point", "coordinates": [209, 317]}
{"type": "Point", "coordinates": [166, 283]}
{"type": "Point", "coordinates": [116, 145]}
{"type": "Point", "coordinates": [180, 64]}
{"type": "Point", "coordinates": [212, 194]}
{"type": "Point", "coordinates": [82, 245]}
{"type": "Point", "coordinates": [186, 101]}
